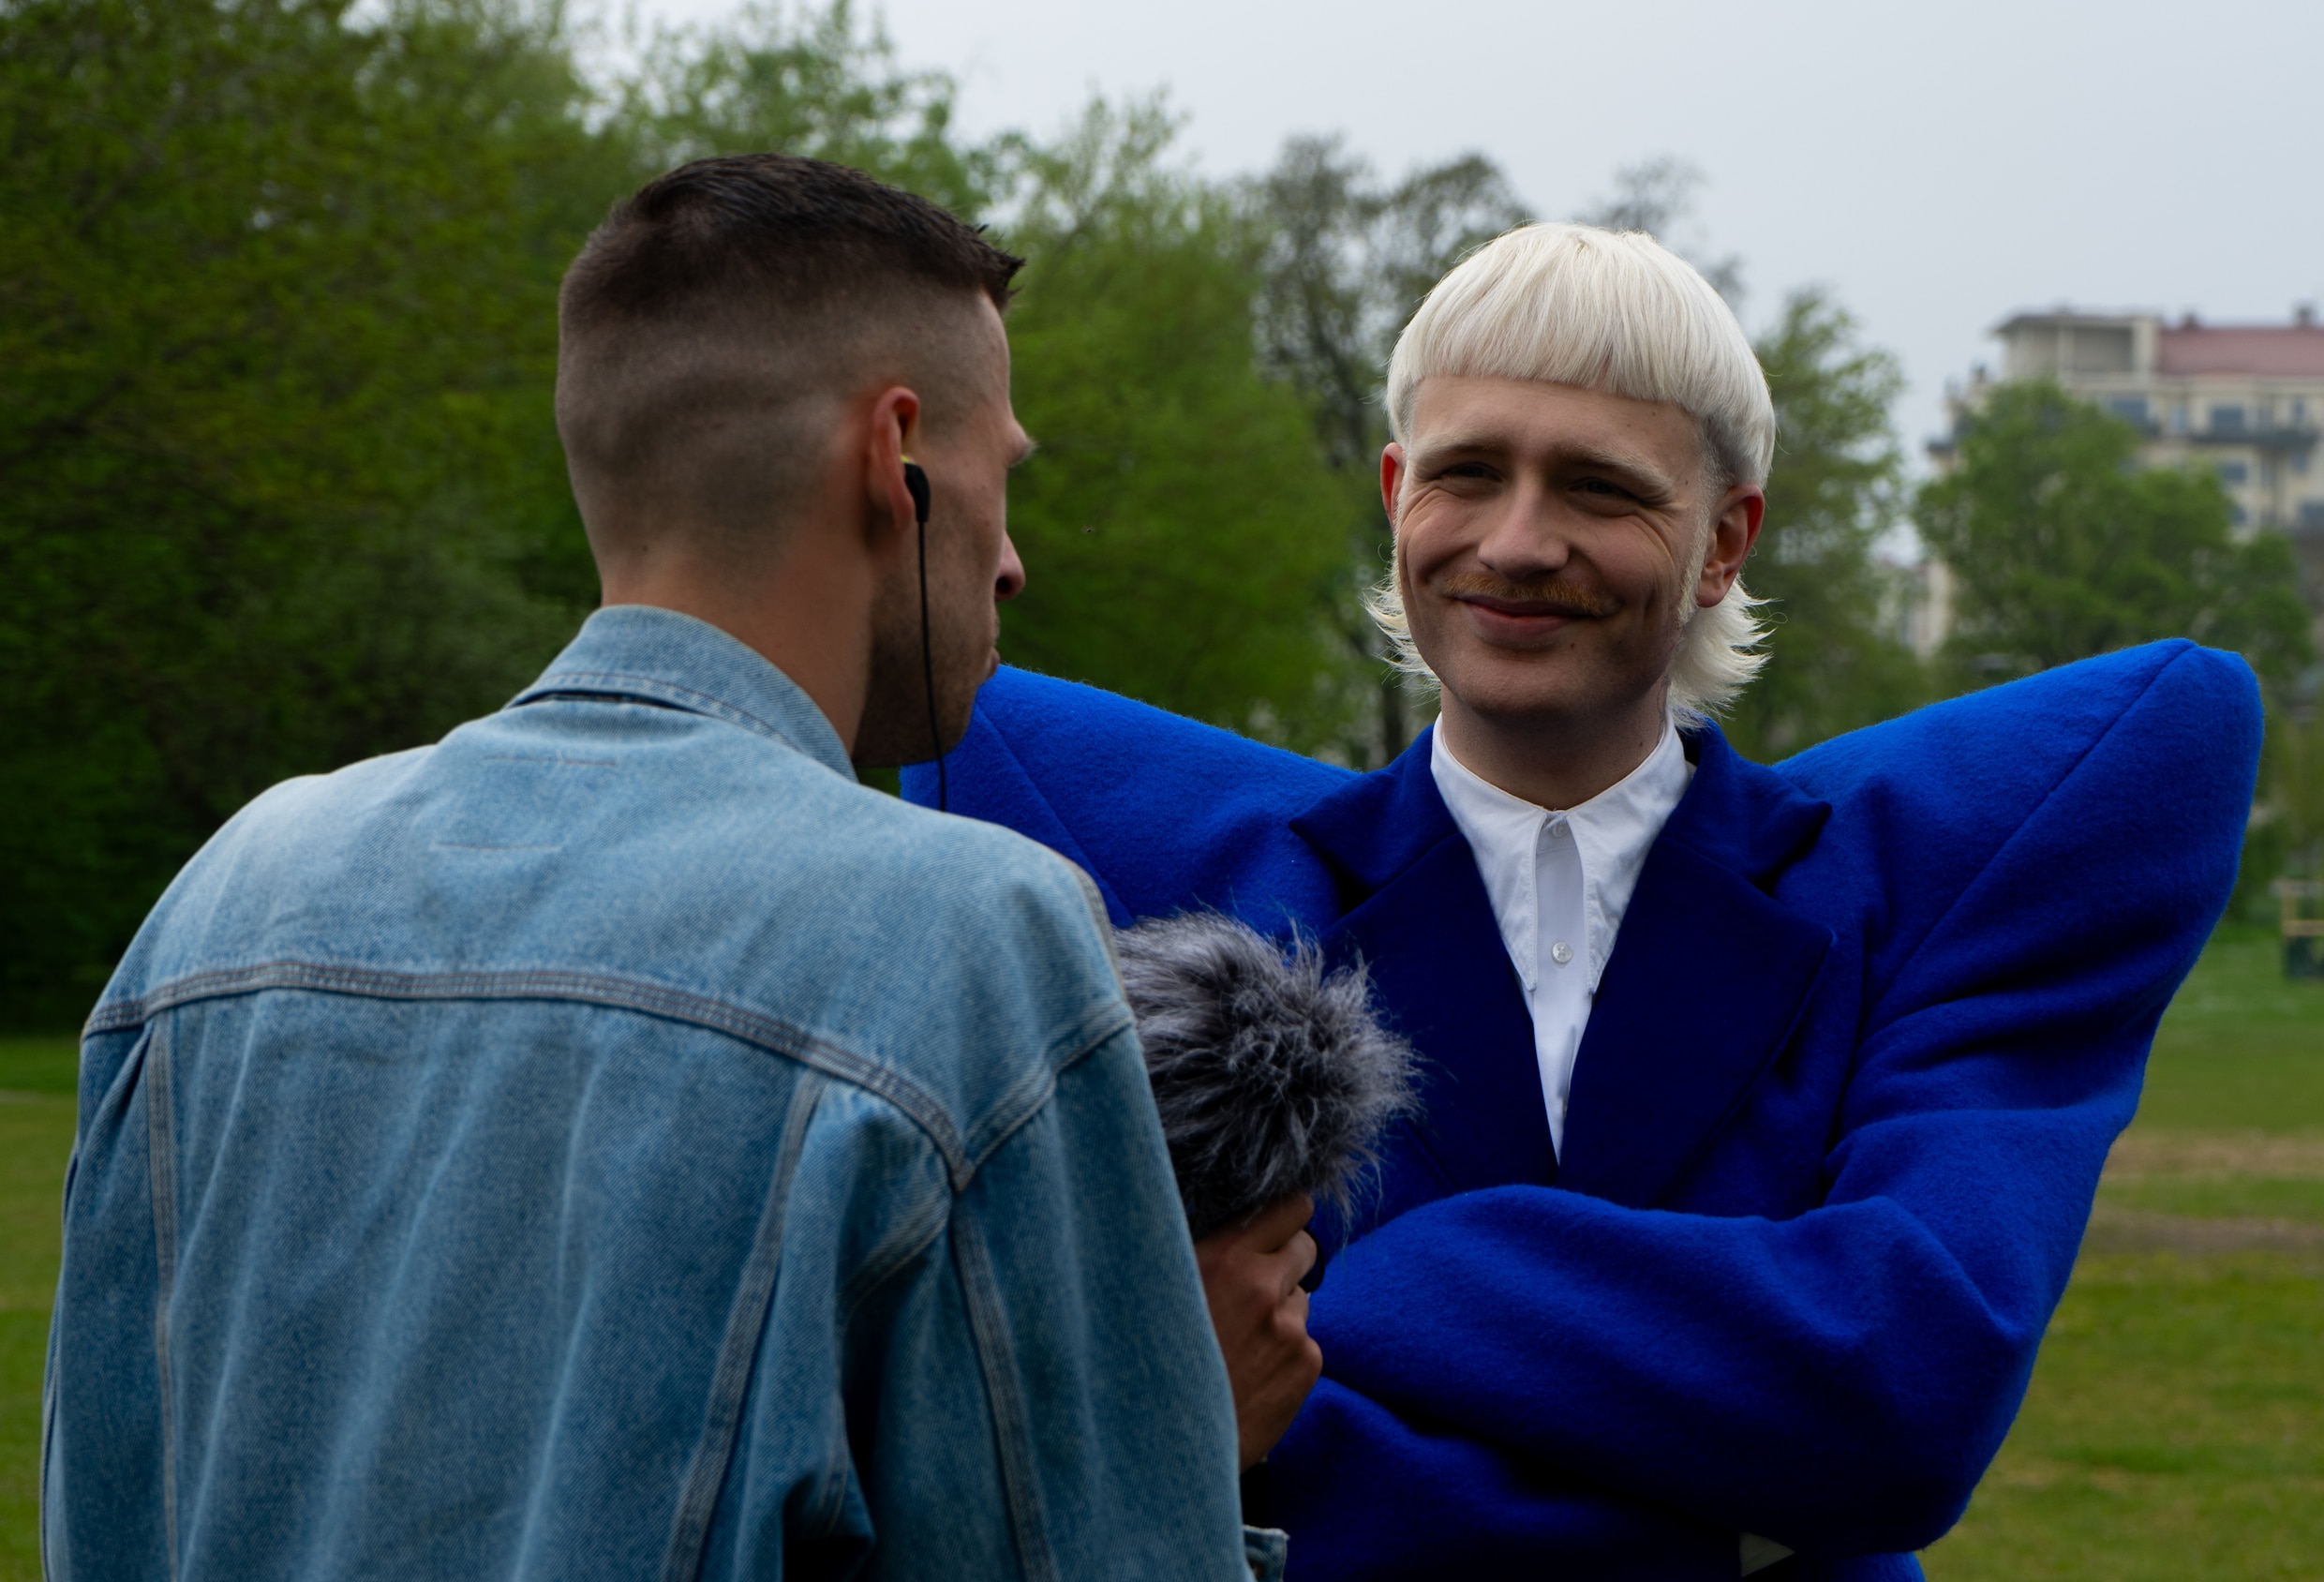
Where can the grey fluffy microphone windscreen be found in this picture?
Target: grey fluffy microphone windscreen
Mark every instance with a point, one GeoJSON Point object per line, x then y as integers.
{"type": "Point", "coordinates": [1272, 1075]}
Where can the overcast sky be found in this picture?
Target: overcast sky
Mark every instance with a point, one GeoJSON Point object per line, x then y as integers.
{"type": "Point", "coordinates": [1937, 167]}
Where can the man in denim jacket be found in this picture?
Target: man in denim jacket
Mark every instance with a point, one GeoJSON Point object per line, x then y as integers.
{"type": "Point", "coordinates": [613, 1142]}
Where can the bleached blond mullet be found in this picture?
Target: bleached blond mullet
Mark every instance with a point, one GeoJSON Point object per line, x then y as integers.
{"type": "Point", "coordinates": [1614, 311]}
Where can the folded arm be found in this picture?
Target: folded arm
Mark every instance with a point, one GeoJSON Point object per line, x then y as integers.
{"type": "Point", "coordinates": [1838, 1380]}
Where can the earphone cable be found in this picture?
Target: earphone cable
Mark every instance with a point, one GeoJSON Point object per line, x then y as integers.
{"type": "Point", "coordinates": [928, 677]}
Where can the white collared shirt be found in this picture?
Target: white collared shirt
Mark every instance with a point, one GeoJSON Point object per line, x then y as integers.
{"type": "Point", "coordinates": [1559, 883]}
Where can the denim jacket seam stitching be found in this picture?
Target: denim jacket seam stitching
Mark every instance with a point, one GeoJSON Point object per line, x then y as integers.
{"type": "Point", "coordinates": [1007, 1115]}
{"type": "Point", "coordinates": [1020, 1490]}
{"type": "Point", "coordinates": [889, 1259]}
{"type": "Point", "coordinates": [709, 704]}
{"type": "Point", "coordinates": [739, 1349]}
{"type": "Point", "coordinates": [161, 1182]}
{"type": "Point", "coordinates": [830, 1504]}
{"type": "Point", "coordinates": [897, 1251]}
{"type": "Point", "coordinates": [780, 1037]}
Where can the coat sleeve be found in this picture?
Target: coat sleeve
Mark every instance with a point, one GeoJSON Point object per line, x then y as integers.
{"type": "Point", "coordinates": [1464, 1507]}
{"type": "Point", "coordinates": [1165, 813]}
{"type": "Point", "coordinates": [1840, 1379]}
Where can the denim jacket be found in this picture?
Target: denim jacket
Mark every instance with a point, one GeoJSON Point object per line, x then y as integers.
{"type": "Point", "coordinates": [612, 1143]}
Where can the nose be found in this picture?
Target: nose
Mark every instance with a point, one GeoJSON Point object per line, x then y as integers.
{"type": "Point", "coordinates": [1523, 540]}
{"type": "Point", "coordinates": [1009, 580]}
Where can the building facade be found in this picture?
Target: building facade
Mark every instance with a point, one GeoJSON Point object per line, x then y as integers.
{"type": "Point", "coordinates": [2248, 399]}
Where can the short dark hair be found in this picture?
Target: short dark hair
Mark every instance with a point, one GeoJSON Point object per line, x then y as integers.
{"type": "Point", "coordinates": [801, 229]}
{"type": "Point", "coordinates": [708, 325]}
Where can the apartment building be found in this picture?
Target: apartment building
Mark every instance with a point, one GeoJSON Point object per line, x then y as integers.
{"type": "Point", "coordinates": [2247, 399]}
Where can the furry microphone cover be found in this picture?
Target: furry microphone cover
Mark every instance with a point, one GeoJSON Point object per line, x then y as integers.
{"type": "Point", "coordinates": [1272, 1077]}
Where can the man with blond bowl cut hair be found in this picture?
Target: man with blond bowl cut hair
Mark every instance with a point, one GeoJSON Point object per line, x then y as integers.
{"type": "Point", "coordinates": [1764, 1107]}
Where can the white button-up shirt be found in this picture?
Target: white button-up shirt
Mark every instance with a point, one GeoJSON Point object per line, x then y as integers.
{"type": "Point", "coordinates": [1560, 882]}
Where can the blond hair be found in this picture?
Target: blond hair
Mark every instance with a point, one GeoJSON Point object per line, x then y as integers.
{"type": "Point", "coordinates": [1614, 311]}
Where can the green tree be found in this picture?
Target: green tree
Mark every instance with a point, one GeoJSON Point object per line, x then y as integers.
{"type": "Point", "coordinates": [1180, 528]}
{"type": "Point", "coordinates": [279, 487]}
{"type": "Point", "coordinates": [2286, 837]}
{"type": "Point", "coordinates": [819, 84]}
{"type": "Point", "coordinates": [276, 339]}
{"type": "Point", "coordinates": [1835, 488]}
{"type": "Point", "coordinates": [2062, 546]}
{"type": "Point", "coordinates": [1657, 196]}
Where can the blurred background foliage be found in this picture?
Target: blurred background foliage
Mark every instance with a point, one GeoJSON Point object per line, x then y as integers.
{"type": "Point", "coordinates": [2063, 547]}
{"type": "Point", "coordinates": [279, 487]}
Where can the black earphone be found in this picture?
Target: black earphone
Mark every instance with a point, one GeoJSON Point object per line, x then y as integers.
{"type": "Point", "coordinates": [916, 483]}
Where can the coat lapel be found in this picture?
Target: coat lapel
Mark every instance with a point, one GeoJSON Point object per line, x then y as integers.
{"type": "Point", "coordinates": [1414, 909]}
{"type": "Point", "coordinates": [1709, 975]}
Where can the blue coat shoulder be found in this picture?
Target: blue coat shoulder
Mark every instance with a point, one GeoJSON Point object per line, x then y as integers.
{"type": "Point", "coordinates": [1164, 811]}
{"type": "Point", "coordinates": [1920, 968]}
{"type": "Point", "coordinates": [1167, 812]}
{"type": "Point", "coordinates": [2192, 710]}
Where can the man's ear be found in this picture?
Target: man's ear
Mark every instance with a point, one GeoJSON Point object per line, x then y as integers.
{"type": "Point", "coordinates": [1734, 531]}
{"type": "Point", "coordinates": [1391, 478]}
{"type": "Point", "coordinates": [894, 435]}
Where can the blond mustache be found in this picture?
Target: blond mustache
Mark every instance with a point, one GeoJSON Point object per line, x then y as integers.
{"type": "Point", "coordinates": [1565, 596]}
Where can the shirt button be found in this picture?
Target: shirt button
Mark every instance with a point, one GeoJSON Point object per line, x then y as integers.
{"type": "Point", "coordinates": [1561, 952]}
{"type": "Point", "coordinates": [1557, 830]}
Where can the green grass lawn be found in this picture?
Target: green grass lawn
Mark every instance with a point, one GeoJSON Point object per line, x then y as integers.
{"type": "Point", "coordinates": [2175, 1428]}
{"type": "Point", "coordinates": [36, 1135]}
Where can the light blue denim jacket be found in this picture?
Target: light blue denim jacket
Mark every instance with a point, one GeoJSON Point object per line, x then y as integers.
{"type": "Point", "coordinates": [612, 1143]}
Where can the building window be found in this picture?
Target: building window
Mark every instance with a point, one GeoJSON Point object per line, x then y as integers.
{"type": "Point", "coordinates": [2312, 514]}
{"type": "Point", "coordinates": [2299, 464]}
{"type": "Point", "coordinates": [2177, 417]}
{"type": "Point", "coordinates": [2130, 409]}
{"type": "Point", "coordinates": [2237, 515]}
{"type": "Point", "coordinates": [2226, 420]}
{"type": "Point", "coordinates": [2234, 473]}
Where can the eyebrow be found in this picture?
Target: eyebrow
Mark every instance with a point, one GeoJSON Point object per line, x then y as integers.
{"type": "Point", "coordinates": [1595, 457]}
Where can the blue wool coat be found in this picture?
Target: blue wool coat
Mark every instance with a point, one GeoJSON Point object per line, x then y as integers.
{"type": "Point", "coordinates": [1870, 1023]}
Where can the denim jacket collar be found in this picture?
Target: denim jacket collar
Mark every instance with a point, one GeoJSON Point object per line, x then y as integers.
{"type": "Point", "coordinates": [660, 656]}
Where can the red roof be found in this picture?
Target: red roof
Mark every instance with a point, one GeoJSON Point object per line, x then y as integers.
{"type": "Point", "coordinates": [2257, 348]}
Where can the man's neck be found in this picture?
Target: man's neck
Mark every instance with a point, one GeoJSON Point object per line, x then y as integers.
{"type": "Point", "coordinates": [1552, 762]}
{"type": "Point", "coordinates": [810, 615]}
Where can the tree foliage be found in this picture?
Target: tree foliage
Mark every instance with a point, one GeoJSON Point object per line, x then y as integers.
{"type": "Point", "coordinates": [1657, 196]}
{"type": "Point", "coordinates": [2063, 547]}
{"type": "Point", "coordinates": [2286, 835]}
{"type": "Point", "coordinates": [279, 484]}
{"type": "Point", "coordinates": [1836, 488]}
{"type": "Point", "coordinates": [818, 84]}
{"type": "Point", "coordinates": [275, 474]}
{"type": "Point", "coordinates": [1180, 530]}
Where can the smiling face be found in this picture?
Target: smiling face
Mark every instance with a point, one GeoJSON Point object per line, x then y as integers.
{"type": "Point", "coordinates": [1551, 542]}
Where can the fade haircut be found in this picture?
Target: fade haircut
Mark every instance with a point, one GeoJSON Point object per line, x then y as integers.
{"type": "Point", "coordinates": [713, 326]}
{"type": "Point", "coordinates": [1618, 312]}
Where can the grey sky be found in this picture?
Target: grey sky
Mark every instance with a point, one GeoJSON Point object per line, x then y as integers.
{"type": "Point", "coordinates": [1936, 166]}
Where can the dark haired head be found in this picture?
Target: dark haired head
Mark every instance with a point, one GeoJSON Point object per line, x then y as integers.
{"type": "Point", "coordinates": [715, 324]}
{"type": "Point", "coordinates": [802, 231]}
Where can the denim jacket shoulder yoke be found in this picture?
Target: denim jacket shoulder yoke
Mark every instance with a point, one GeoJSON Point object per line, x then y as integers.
{"type": "Point", "coordinates": [612, 1141]}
